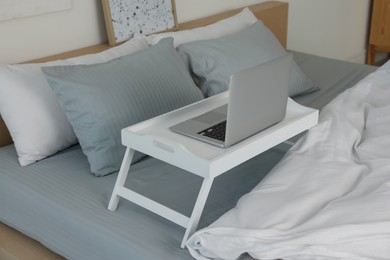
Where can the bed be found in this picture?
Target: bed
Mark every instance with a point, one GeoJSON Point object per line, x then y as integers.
{"type": "Point", "coordinates": [58, 202]}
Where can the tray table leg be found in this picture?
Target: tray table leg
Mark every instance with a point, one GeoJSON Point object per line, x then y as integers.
{"type": "Point", "coordinates": [120, 181]}
{"type": "Point", "coordinates": [198, 209]}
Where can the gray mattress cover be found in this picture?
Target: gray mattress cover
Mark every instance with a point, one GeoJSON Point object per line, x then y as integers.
{"type": "Point", "coordinates": [59, 203]}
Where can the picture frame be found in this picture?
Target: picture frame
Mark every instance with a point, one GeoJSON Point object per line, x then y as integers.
{"type": "Point", "coordinates": [123, 18]}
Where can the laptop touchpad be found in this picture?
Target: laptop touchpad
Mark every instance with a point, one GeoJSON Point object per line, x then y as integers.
{"type": "Point", "coordinates": [210, 117]}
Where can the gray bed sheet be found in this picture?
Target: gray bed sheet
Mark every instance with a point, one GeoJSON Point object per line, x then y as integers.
{"type": "Point", "coordinates": [330, 75]}
{"type": "Point", "coordinates": [59, 203]}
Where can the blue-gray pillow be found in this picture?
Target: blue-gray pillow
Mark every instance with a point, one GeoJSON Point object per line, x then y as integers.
{"type": "Point", "coordinates": [99, 100]}
{"type": "Point", "coordinates": [211, 62]}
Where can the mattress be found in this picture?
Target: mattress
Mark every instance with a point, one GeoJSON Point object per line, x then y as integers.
{"type": "Point", "coordinates": [59, 203]}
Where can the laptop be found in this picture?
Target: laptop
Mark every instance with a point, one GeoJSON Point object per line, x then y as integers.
{"type": "Point", "coordinates": [257, 100]}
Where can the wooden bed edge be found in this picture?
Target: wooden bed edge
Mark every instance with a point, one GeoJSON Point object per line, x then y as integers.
{"type": "Point", "coordinates": [5, 137]}
{"type": "Point", "coordinates": [273, 14]}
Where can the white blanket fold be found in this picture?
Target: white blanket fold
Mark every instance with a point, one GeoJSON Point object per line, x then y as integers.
{"type": "Point", "coordinates": [329, 197]}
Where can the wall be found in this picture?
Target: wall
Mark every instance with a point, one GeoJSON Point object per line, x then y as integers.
{"type": "Point", "coordinates": [331, 28]}
{"type": "Point", "coordinates": [38, 36]}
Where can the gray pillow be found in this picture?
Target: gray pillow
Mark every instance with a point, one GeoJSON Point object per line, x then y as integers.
{"type": "Point", "coordinates": [99, 100]}
{"type": "Point", "coordinates": [211, 62]}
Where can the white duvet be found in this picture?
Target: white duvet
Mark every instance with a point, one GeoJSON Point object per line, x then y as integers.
{"type": "Point", "coordinates": [329, 198]}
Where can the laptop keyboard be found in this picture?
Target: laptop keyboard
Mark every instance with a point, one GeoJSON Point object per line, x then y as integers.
{"type": "Point", "coordinates": [216, 131]}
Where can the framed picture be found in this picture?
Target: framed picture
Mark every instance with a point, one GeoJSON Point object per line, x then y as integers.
{"type": "Point", "coordinates": [125, 17]}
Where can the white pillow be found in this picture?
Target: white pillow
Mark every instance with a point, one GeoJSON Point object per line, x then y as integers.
{"type": "Point", "coordinates": [230, 25]}
{"type": "Point", "coordinates": [37, 124]}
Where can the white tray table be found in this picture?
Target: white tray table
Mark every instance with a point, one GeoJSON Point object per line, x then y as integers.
{"type": "Point", "coordinates": [153, 137]}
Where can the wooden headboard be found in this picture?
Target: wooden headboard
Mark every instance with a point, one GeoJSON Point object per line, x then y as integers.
{"type": "Point", "coordinates": [274, 15]}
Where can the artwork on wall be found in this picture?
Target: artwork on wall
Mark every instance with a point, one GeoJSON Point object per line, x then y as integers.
{"type": "Point", "coordinates": [126, 17]}
{"type": "Point", "coordinates": [12, 9]}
